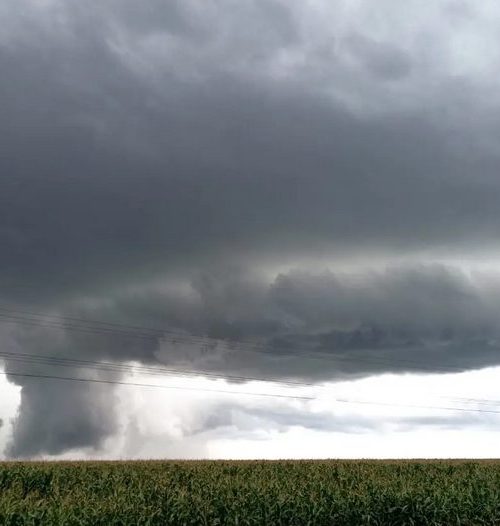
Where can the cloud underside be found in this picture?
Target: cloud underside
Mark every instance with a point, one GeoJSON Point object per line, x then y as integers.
{"type": "Point", "coordinates": [184, 165]}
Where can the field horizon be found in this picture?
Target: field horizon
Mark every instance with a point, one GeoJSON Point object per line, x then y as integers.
{"type": "Point", "coordinates": [90, 460]}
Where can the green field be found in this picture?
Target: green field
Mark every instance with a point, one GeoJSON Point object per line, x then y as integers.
{"type": "Point", "coordinates": [251, 492]}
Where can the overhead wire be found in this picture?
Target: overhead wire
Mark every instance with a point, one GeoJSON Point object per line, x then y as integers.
{"type": "Point", "coordinates": [154, 370]}
{"type": "Point", "coordinates": [415, 406]}
{"type": "Point", "coordinates": [82, 325]}
{"type": "Point", "coordinates": [160, 386]}
{"type": "Point", "coordinates": [100, 327]}
{"type": "Point", "coordinates": [32, 359]}
{"type": "Point", "coordinates": [248, 393]}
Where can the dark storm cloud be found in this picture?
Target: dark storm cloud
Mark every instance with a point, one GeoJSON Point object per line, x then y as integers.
{"type": "Point", "coordinates": [55, 418]}
{"type": "Point", "coordinates": [153, 142]}
{"type": "Point", "coordinates": [302, 326]}
{"type": "Point", "coordinates": [57, 415]}
{"type": "Point", "coordinates": [108, 168]}
{"type": "Point", "coordinates": [383, 60]}
{"type": "Point", "coordinates": [328, 325]}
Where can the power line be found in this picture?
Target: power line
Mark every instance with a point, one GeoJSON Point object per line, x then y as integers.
{"type": "Point", "coordinates": [161, 371]}
{"type": "Point", "coordinates": [481, 401]}
{"type": "Point", "coordinates": [224, 391]}
{"type": "Point", "coordinates": [55, 321]}
{"type": "Point", "coordinates": [70, 362]}
{"type": "Point", "coordinates": [131, 330]}
{"type": "Point", "coordinates": [84, 320]}
{"type": "Point", "coordinates": [136, 384]}
{"type": "Point", "coordinates": [108, 328]}
{"type": "Point", "coordinates": [23, 320]}
{"type": "Point", "coordinates": [391, 404]}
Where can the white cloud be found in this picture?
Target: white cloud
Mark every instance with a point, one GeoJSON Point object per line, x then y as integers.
{"type": "Point", "coordinates": [9, 402]}
{"type": "Point", "coordinates": [170, 423]}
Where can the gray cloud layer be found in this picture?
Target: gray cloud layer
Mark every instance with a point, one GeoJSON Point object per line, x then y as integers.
{"type": "Point", "coordinates": [300, 327]}
{"type": "Point", "coordinates": [156, 144]}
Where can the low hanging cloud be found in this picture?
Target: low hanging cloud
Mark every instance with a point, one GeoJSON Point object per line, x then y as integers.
{"type": "Point", "coordinates": [301, 327]}
{"type": "Point", "coordinates": [148, 149]}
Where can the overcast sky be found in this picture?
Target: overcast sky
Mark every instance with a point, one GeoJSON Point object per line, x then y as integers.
{"type": "Point", "coordinates": [292, 191]}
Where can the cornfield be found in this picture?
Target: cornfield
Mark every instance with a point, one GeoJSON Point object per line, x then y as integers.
{"type": "Point", "coordinates": [250, 493]}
